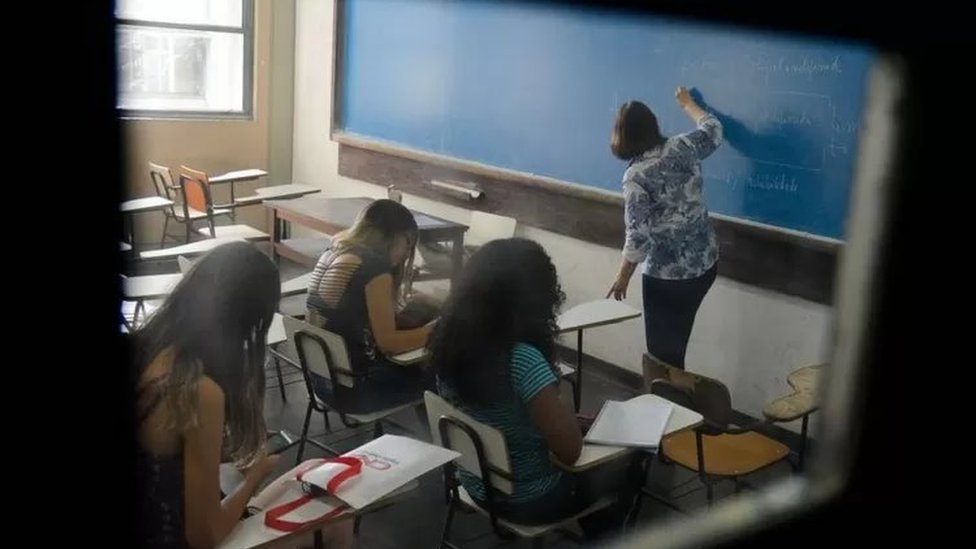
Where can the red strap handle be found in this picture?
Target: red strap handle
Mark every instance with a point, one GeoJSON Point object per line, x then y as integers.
{"type": "Point", "coordinates": [272, 519]}
{"type": "Point", "coordinates": [354, 466]}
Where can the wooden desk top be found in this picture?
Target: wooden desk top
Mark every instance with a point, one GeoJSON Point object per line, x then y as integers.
{"type": "Point", "coordinates": [595, 313]}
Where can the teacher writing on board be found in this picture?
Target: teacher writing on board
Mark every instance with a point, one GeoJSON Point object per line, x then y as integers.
{"type": "Point", "coordinates": [667, 225]}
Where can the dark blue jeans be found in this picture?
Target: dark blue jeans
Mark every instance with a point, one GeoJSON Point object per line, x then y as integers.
{"type": "Point", "coordinates": [670, 307]}
{"type": "Point", "coordinates": [386, 386]}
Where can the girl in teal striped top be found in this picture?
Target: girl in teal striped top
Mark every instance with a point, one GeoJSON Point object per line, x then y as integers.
{"type": "Point", "coordinates": [494, 354]}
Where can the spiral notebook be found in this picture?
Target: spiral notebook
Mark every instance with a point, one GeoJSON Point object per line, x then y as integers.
{"type": "Point", "coordinates": [638, 423]}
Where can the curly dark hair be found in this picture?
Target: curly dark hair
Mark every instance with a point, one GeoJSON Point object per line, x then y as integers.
{"type": "Point", "coordinates": [508, 293]}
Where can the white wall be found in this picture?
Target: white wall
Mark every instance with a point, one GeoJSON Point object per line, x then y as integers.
{"type": "Point", "coordinates": [747, 337]}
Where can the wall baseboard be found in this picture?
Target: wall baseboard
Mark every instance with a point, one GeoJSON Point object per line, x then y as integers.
{"type": "Point", "coordinates": [750, 253]}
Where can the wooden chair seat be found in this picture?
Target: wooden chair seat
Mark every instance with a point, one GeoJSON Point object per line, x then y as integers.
{"type": "Point", "coordinates": [726, 455]}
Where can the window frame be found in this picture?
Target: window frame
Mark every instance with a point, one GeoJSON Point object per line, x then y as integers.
{"type": "Point", "coordinates": [246, 30]}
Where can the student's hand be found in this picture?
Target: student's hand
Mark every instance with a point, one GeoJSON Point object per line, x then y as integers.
{"type": "Point", "coordinates": [585, 422]}
{"type": "Point", "coordinates": [619, 288]}
{"type": "Point", "coordinates": [262, 467]}
{"type": "Point", "coordinates": [684, 97]}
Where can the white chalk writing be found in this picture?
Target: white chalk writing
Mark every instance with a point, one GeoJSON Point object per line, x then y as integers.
{"type": "Point", "coordinates": [767, 182]}
{"type": "Point", "coordinates": [806, 66]}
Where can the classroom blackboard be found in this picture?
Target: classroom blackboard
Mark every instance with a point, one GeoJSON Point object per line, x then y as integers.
{"type": "Point", "coordinates": [534, 88]}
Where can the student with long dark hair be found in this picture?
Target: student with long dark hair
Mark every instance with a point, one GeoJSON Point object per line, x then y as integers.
{"type": "Point", "coordinates": [199, 377]}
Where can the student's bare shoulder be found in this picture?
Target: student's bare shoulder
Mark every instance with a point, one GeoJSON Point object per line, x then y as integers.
{"type": "Point", "coordinates": [349, 259]}
{"type": "Point", "coordinates": [210, 395]}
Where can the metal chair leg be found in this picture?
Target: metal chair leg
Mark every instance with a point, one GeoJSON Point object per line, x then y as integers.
{"type": "Point", "coordinates": [578, 386]}
{"type": "Point", "coordinates": [421, 412]}
{"type": "Point", "coordinates": [162, 241]}
{"type": "Point", "coordinates": [637, 501]}
{"type": "Point", "coordinates": [281, 381]}
{"type": "Point", "coordinates": [304, 436]}
{"type": "Point", "coordinates": [803, 442]}
{"type": "Point", "coordinates": [325, 419]}
{"type": "Point", "coordinates": [447, 525]}
{"type": "Point", "coordinates": [140, 306]}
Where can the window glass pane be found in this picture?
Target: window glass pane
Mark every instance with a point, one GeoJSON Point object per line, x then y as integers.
{"type": "Point", "coordinates": [163, 69]}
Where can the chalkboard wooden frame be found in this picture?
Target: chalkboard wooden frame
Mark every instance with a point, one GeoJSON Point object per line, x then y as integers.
{"type": "Point", "coordinates": [755, 255]}
{"type": "Point", "coordinates": [778, 260]}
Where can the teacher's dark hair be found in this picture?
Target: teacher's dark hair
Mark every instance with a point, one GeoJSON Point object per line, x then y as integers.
{"type": "Point", "coordinates": [635, 131]}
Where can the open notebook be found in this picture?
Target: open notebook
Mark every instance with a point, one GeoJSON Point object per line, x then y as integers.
{"type": "Point", "coordinates": [636, 423]}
